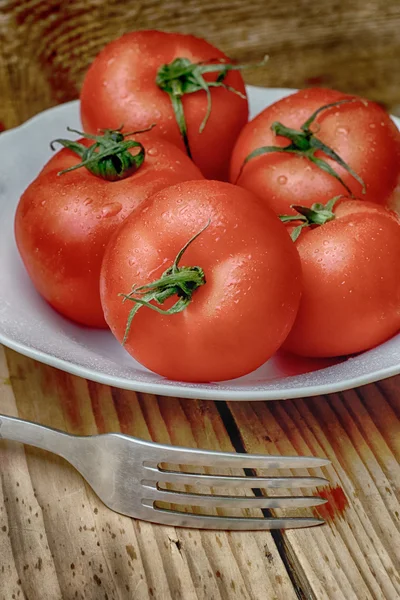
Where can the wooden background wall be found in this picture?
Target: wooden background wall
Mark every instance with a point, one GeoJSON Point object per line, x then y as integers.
{"type": "Point", "coordinates": [353, 45]}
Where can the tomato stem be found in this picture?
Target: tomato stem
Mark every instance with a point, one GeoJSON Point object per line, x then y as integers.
{"type": "Point", "coordinates": [109, 157]}
{"type": "Point", "coordinates": [181, 77]}
{"type": "Point", "coordinates": [175, 281]}
{"type": "Point", "coordinates": [318, 214]}
{"type": "Point", "coordinates": [303, 142]}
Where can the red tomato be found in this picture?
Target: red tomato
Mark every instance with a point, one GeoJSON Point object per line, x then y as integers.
{"type": "Point", "coordinates": [351, 282]}
{"type": "Point", "coordinates": [244, 310]}
{"type": "Point", "coordinates": [63, 223]}
{"type": "Point", "coordinates": [120, 88]}
{"type": "Point", "coordinates": [361, 133]}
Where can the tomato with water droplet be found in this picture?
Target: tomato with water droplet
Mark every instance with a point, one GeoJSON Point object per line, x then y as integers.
{"type": "Point", "coordinates": [351, 294]}
{"type": "Point", "coordinates": [125, 92]}
{"type": "Point", "coordinates": [246, 304]}
{"type": "Point", "coordinates": [359, 131]}
{"type": "Point", "coordinates": [65, 268]}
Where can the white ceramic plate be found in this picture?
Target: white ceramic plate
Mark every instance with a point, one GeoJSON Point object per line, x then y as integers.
{"type": "Point", "coordinates": [30, 326]}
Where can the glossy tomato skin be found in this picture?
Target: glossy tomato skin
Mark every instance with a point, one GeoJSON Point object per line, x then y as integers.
{"type": "Point", "coordinates": [120, 88]}
{"type": "Point", "coordinates": [63, 223]}
{"type": "Point", "coordinates": [244, 311]}
{"type": "Point", "coordinates": [360, 132]}
{"type": "Point", "coordinates": [351, 282]}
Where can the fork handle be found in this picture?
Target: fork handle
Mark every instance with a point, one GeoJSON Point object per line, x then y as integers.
{"type": "Point", "coordinates": [36, 435]}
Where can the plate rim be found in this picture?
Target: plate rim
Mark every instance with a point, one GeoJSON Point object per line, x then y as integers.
{"type": "Point", "coordinates": [184, 389]}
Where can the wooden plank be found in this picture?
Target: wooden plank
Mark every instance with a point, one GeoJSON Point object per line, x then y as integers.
{"type": "Point", "coordinates": [25, 557]}
{"type": "Point", "coordinates": [111, 553]}
{"type": "Point", "coordinates": [358, 553]}
{"type": "Point", "coordinates": [355, 556]}
{"type": "Point", "coordinates": [353, 46]}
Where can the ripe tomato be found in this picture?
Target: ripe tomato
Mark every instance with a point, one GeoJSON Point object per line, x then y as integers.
{"type": "Point", "coordinates": [360, 132]}
{"type": "Point", "coordinates": [63, 223]}
{"type": "Point", "coordinates": [238, 317]}
{"type": "Point", "coordinates": [120, 88]}
{"type": "Point", "coordinates": [351, 282]}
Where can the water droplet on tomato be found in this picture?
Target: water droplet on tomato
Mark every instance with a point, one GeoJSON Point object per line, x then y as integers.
{"type": "Point", "coordinates": [282, 179]}
{"type": "Point", "coordinates": [110, 210]}
{"type": "Point", "coordinates": [152, 151]}
{"type": "Point", "coordinates": [88, 201]}
{"type": "Point", "coordinates": [342, 130]}
{"type": "Point", "coordinates": [66, 208]}
{"type": "Point", "coordinates": [131, 261]}
{"type": "Point", "coordinates": [43, 202]}
{"type": "Point", "coordinates": [372, 125]}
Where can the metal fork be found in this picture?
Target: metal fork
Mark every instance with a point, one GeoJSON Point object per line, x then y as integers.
{"type": "Point", "coordinates": [126, 474]}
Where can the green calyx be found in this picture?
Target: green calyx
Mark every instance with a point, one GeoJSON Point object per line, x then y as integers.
{"type": "Point", "coordinates": [175, 281]}
{"type": "Point", "coordinates": [181, 77]}
{"type": "Point", "coordinates": [108, 157]}
{"type": "Point", "coordinates": [318, 214]}
{"type": "Point", "coordinates": [304, 142]}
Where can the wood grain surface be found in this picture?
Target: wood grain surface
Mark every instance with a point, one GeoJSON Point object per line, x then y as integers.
{"type": "Point", "coordinates": [57, 540]}
{"type": "Point", "coordinates": [46, 46]}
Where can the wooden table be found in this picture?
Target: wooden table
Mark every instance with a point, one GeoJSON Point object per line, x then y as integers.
{"type": "Point", "coordinates": [56, 538]}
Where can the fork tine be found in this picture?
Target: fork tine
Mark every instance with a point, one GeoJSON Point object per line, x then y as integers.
{"type": "Point", "coordinates": [215, 501]}
{"type": "Point", "coordinates": [175, 477]}
{"type": "Point", "coordinates": [183, 519]}
{"type": "Point", "coordinates": [207, 458]}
